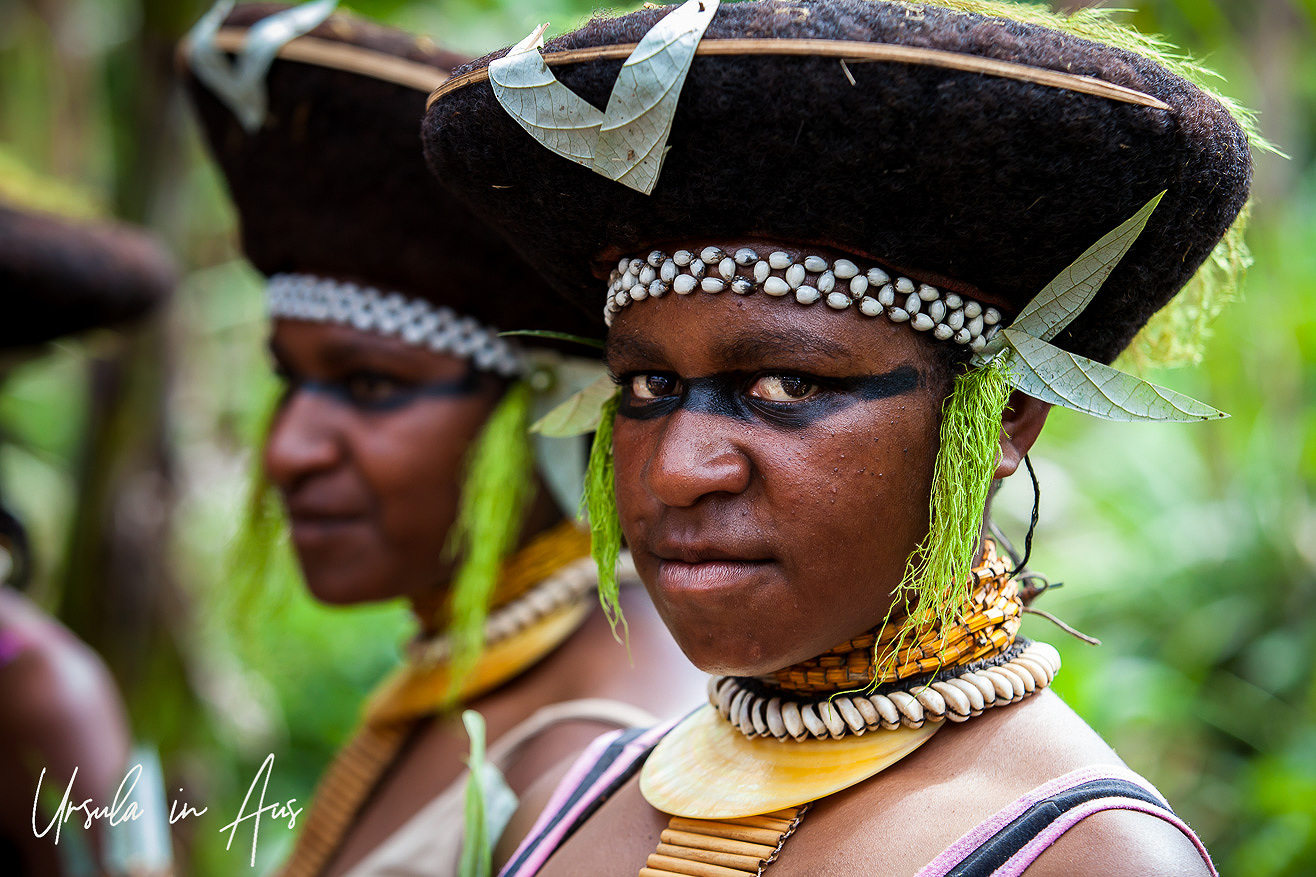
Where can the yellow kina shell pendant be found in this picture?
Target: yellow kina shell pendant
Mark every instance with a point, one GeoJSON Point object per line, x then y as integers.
{"type": "Point", "coordinates": [706, 769]}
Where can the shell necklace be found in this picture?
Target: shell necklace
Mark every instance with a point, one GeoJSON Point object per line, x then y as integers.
{"type": "Point", "coordinates": [770, 743]}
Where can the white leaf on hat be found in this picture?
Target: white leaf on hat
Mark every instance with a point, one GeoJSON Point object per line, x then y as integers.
{"type": "Point", "coordinates": [628, 142]}
{"type": "Point", "coordinates": [1046, 372]}
{"type": "Point", "coordinates": [553, 114]}
{"type": "Point", "coordinates": [560, 446]}
{"type": "Point", "coordinates": [579, 414]}
{"type": "Point", "coordinates": [240, 83]}
{"type": "Point", "coordinates": [1059, 377]}
{"type": "Point", "coordinates": [632, 142]}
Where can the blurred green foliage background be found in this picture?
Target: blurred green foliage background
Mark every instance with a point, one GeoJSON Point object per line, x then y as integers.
{"type": "Point", "coordinates": [1189, 550]}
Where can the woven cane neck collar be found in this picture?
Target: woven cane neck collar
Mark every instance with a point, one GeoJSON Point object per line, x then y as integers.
{"type": "Point", "coordinates": [987, 626]}
{"type": "Point", "coordinates": [944, 674]}
{"type": "Point", "coordinates": [806, 280]}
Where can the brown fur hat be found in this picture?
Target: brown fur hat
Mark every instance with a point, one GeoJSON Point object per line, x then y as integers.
{"type": "Point", "coordinates": [334, 183]}
{"type": "Point", "coordinates": [62, 276]}
{"type": "Point", "coordinates": [979, 183]}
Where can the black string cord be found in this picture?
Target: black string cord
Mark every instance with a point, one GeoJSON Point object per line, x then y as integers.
{"type": "Point", "coordinates": [1032, 524]}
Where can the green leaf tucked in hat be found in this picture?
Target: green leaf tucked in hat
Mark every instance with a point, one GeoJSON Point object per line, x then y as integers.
{"type": "Point", "coordinates": [1046, 372]}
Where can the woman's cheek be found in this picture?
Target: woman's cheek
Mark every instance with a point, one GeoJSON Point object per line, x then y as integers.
{"type": "Point", "coordinates": [632, 444]}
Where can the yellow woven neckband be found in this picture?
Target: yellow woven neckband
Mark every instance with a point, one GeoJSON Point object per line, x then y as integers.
{"type": "Point", "coordinates": [986, 627]}
{"type": "Point", "coordinates": [516, 637]}
{"type": "Point", "coordinates": [542, 556]}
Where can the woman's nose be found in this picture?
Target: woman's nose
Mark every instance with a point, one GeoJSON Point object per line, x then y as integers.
{"type": "Point", "coordinates": [303, 440]}
{"type": "Point", "coordinates": [697, 455]}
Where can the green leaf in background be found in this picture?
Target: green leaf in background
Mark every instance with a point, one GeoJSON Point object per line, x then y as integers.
{"type": "Point", "coordinates": [1065, 297]}
{"type": "Point", "coordinates": [489, 804]}
{"type": "Point", "coordinates": [22, 187]}
{"type": "Point", "coordinates": [1046, 372]}
{"type": "Point", "coordinates": [633, 139]}
{"type": "Point", "coordinates": [579, 414]}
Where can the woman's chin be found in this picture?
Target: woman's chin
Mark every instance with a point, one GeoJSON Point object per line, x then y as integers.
{"type": "Point", "coordinates": [731, 653]}
{"type": "Point", "coordinates": [339, 586]}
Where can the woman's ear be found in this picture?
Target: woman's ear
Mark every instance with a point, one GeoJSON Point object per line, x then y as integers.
{"type": "Point", "coordinates": [1020, 424]}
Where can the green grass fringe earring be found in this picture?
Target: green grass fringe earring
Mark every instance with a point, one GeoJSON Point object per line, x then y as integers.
{"type": "Point", "coordinates": [498, 487]}
{"type": "Point", "coordinates": [600, 503]}
{"type": "Point", "coordinates": [937, 579]}
{"type": "Point", "coordinates": [260, 566]}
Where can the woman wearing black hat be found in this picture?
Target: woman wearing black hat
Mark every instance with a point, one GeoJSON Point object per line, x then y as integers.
{"type": "Point", "coordinates": [400, 447]}
{"type": "Point", "coordinates": [850, 254]}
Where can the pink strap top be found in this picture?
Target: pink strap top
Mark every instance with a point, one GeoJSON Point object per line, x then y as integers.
{"type": "Point", "coordinates": [12, 644]}
{"type": "Point", "coordinates": [601, 769]}
{"type": "Point", "coordinates": [1011, 840]}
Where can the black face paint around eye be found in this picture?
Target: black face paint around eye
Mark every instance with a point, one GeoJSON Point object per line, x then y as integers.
{"type": "Point", "coordinates": [724, 395]}
{"type": "Point", "coordinates": [896, 382]}
{"type": "Point", "coordinates": [401, 398]}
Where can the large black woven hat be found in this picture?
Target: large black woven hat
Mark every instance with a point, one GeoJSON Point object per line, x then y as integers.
{"type": "Point", "coordinates": [62, 276]}
{"type": "Point", "coordinates": [978, 182]}
{"type": "Point", "coordinates": [334, 182]}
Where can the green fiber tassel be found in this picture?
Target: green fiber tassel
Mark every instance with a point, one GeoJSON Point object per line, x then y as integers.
{"type": "Point", "coordinates": [260, 564]}
{"type": "Point", "coordinates": [497, 490]}
{"type": "Point", "coordinates": [600, 503]}
{"type": "Point", "coordinates": [937, 579]}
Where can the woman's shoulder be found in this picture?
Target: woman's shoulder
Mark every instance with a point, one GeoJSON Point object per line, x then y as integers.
{"type": "Point", "coordinates": [1121, 842]}
{"type": "Point", "coordinates": [56, 683]}
{"type": "Point", "coordinates": [65, 713]}
{"type": "Point", "coordinates": [1032, 777]}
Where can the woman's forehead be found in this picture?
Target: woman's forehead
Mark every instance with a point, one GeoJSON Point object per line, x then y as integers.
{"type": "Point", "coordinates": [728, 331]}
{"type": "Point", "coordinates": [328, 345]}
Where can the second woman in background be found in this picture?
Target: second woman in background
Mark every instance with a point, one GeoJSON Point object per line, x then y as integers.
{"type": "Point", "coordinates": [400, 447]}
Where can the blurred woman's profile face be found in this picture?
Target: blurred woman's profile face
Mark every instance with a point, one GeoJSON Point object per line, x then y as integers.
{"type": "Point", "coordinates": [366, 451]}
{"type": "Point", "coordinates": [773, 465]}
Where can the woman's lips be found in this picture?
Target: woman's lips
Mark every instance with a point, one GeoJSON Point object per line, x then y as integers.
{"type": "Point", "coordinates": [318, 530]}
{"type": "Point", "coordinates": [708, 575]}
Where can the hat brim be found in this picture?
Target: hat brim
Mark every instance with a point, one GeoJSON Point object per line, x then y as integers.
{"type": "Point", "coordinates": [62, 276]}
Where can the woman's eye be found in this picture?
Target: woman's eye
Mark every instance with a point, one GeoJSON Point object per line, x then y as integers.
{"type": "Point", "coordinates": [782, 388]}
{"type": "Point", "coordinates": [371, 389]}
{"type": "Point", "coordinates": [652, 386]}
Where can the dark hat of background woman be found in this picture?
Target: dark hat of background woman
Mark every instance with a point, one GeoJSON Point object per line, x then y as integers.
{"type": "Point", "coordinates": [334, 183]}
